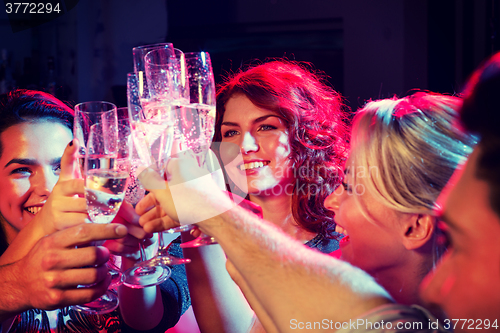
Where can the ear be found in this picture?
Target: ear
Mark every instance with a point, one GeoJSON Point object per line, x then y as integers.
{"type": "Point", "coordinates": [418, 230]}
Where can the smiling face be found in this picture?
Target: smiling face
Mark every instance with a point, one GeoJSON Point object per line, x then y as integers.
{"type": "Point", "coordinates": [264, 141]}
{"type": "Point", "coordinates": [374, 231]}
{"type": "Point", "coordinates": [466, 283]}
{"type": "Point", "coordinates": [29, 169]}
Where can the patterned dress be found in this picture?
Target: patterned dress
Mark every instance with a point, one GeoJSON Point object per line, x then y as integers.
{"type": "Point", "coordinates": [176, 301]}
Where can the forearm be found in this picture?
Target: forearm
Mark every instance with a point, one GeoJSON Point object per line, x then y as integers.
{"type": "Point", "coordinates": [292, 281]}
{"type": "Point", "coordinates": [264, 321]}
{"type": "Point", "coordinates": [23, 243]}
{"type": "Point", "coordinates": [12, 298]}
{"type": "Point", "coordinates": [217, 301]}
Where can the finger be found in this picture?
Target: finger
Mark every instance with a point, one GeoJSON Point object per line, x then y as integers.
{"type": "Point", "coordinates": [195, 232]}
{"type": "Point", "coordinates": [146, 204]}
{"type": "Point", "coordinates": [70, 187]}
{"type": "Point", "coordinates": [85, 233]}
{"type": "Point", "coordinates": [88, 294]}
{"type": "Point", "coordinates": [69, 162]}
{"type": "Point", "coordinates": [155, 225]}
{"type": "Point", "coordinates": [138, 232]}
{"type": "Point", "coordinates": [70, 204]}
{"type": "Point", "coordinates": [74, 258]}
{"type": "Point", "coordinates": [71, 278]}
{"type": "Point", "coordinates": [148, 216]}
{"type": "Point", "coordinates": [118, 248]}
{"type": "Point", "coordinates": [127, 212]}
{"type": "Point", "coordinates": [71, 219]}
{"type": "Point", "coordinates": [160, 224]}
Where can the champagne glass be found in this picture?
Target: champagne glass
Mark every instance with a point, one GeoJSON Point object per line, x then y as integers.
{"type": "Point", "coordinates": [155, 129]}
{"type": "Point", "coordinates": [86, 115]}
{"type": "Point", "coordinates": [139, 54]}
{"type": "Point", "coordinates": [106, 171]}
{"type": "Point", "coordinates": [139, 276]}
{"type": "Point", "coordinates": [195, 120]}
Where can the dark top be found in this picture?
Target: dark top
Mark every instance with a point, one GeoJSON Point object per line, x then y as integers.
{"type": "Point", "coordinates": [323, 244]}
{"type": "Point", "coordinates": [176, 301]}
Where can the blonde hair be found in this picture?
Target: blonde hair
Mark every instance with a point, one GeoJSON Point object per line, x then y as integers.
{"type": "Point", "coordinates": [409, 148]}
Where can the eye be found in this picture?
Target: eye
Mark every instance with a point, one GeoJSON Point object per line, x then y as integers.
{"type": "Point", "coordinates": [23, 171]}
{"type": "Point", "coordinates": [443, 237]}
{"type": "Point", "coordinates": [230, 133]}
{"type": "Point", "coordinates": [267, 127]}
{"type": "Point", "coordinates": [347, 187]}
{"type": "Point", "coordinates": [57, 169]}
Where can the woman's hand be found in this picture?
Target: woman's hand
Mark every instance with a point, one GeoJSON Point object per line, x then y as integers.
{"type": "Point", "coordinates": [66, 206]}
{"type": "Point", "coordinates": [153, 218]}
{"type": "Point", "coordinates": [192, 194]}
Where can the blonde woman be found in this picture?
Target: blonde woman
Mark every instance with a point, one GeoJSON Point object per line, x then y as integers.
{"type": "Point", "coordinates": [403, 152]}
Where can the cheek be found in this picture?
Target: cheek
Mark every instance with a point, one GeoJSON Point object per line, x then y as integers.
{"type": "Point", "coordinates": [14, 190]}
{"type": "Point", "coordinates": [13, 195]}
{"type": "Point", "coordinates": [279, 146]}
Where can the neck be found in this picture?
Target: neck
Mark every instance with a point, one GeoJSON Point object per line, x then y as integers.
{"type": "Point", "coordinates": [278, 210]}
{"type": "Point", "coordinates": [402, 280]}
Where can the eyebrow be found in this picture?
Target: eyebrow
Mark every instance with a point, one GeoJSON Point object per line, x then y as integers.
{"type": "Point", "coordinates": [29, 161]}
{"type": "Point", "coordinates": [257, 120]}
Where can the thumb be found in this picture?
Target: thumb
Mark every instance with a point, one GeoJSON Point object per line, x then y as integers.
{"type": "Point", "coordinates": [70, 168]}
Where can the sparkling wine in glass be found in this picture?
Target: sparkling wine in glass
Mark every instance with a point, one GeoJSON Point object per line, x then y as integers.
{"type": "Point", "coordinates": [195, 120]}
{"type": "Point", "coordinates": [86, 115]}
{"type": "Point", "coordinates": [139, 276]}
{"type": "Point", "coordinates": [106, 171]}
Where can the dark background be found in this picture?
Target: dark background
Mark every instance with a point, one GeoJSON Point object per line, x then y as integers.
{"type": "Point", "coordinates": [368, 48]}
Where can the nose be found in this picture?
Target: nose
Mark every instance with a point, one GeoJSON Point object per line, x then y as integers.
{"type": "Point", "coordinates": [249, 144]}
{"type": "Point", "coordinates": [332, 201]}
{"type": "Point", "coordinates": [43, 183]}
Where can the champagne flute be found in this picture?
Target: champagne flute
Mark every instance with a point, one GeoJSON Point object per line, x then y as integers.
{"type": "Point", "coordinates": [139, 276]}
{"type": "Point", "coordinates": [196, 120]}
{"type": "Point", "coordinates": [155, 129]}
{"type": "Point", "coordinates": [106, 171]}
{"type": "Point", "coordinates": [86, 115]}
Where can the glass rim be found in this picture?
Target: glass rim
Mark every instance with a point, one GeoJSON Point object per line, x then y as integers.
{"type": "Point", "coordinates": [155, 45]}
{"type": "Point", "coordinates": [78, 107]}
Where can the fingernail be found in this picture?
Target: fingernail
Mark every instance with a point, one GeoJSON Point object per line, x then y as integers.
{"type": "Point", "coordinates": [71, 143]}
{"type": "Point", "coordinates": [121, 230]}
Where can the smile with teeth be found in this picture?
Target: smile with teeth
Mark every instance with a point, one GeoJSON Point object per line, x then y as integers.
{"type": "Point", "coordinates": [253, 165]}
{"type": "Point", "coordinates": [33, 209]}
{"type": "Point", "coordinates": [341, 230]}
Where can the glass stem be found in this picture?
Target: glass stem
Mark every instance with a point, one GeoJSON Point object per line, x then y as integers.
{"type": "Point", "coordinates": [142, 250]}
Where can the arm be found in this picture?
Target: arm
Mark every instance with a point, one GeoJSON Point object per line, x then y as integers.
{"type": "Point", "coordinates": [218, 303]}
{"type": "Point", "coordinates": [292, 282]}
{"type": "Point", "coordinates": [264, 321]}
{"type": "Point", "coordinates": [48, 276]}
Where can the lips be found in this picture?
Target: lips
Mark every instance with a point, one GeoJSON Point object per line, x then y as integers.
{"type": "Point", "coordinates": [342, 231]}
{"type": "Point", "coordinates": [253, 165]}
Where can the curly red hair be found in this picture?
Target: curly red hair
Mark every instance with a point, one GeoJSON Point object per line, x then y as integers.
{"type": "Point", "coordinates": [315, 117]}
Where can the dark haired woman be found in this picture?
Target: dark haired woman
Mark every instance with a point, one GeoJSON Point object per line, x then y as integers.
{"type": "Point", "coordinates": [39, 197]}
{"type": "Point", "coordinates": [290, 128]}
